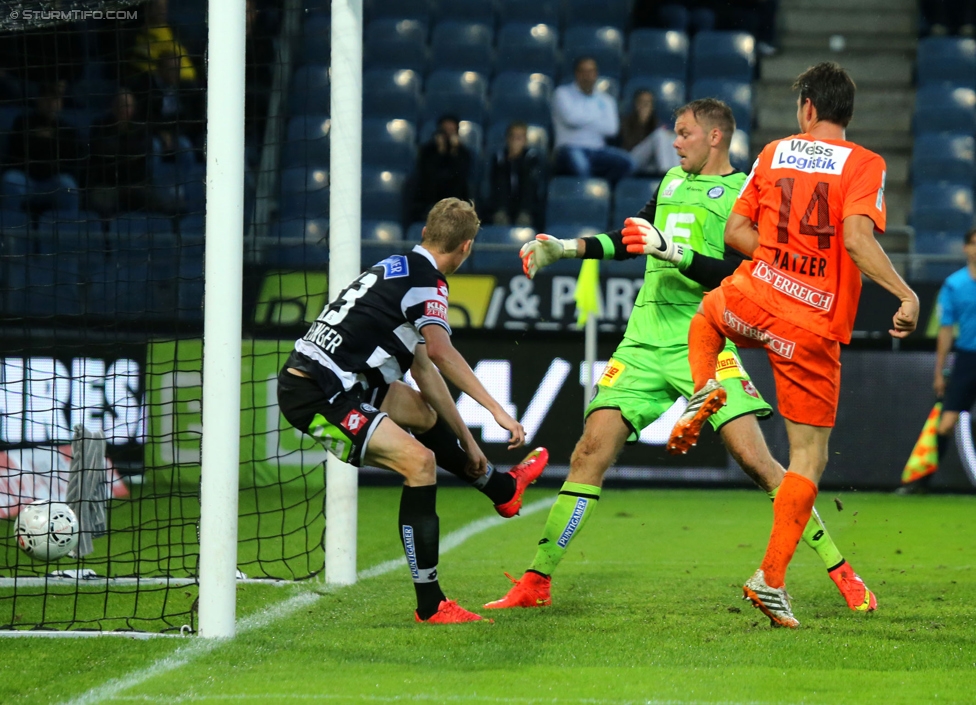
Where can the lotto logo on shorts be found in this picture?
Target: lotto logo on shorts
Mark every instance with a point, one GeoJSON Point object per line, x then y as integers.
{"type": "Point", "coordinates": [727, 367]}
{"type": "Point", "coordinates": [611, 374]}
{"type": "Point", "coordinates": [749, 388]}
{"type": "Point", "coordinates": [793, 288]}
{"type": "Point", "coordinates": [354, 422]}
{"type": "Point", "coordinates": [780, 346]}
{"type": "Point", "coordinates": [435, 309]}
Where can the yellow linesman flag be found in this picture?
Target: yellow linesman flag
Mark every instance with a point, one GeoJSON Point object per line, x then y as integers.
{"type": "Point", "coordinates": [924, 459]}
{"type": "Point", "coordinates": [588, 291]}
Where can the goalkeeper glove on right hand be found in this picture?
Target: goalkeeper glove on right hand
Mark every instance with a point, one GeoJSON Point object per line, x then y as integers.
{"type": "Point", "coordinates": [642, 238]}
{"type": "Point", "coordinates": [543, 251]}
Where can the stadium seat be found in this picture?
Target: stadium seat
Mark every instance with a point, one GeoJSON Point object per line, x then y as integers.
{"type": "Point", "coordinates": [613, 13]}
{"type": "Point", "coordinates": [946, 60]}
{"type": "Point", "coordinates": [739, 151]}
{"type": "Point", "coordinates": [669, 94]}
{"type": "Point", "coordinates": [42, 286]}
{"type": "Point", "coordinates": [307, 141]}
{"type": "Point", "coordinates": [521, 96]}
{"type": "Point", "coordinates": [304, 193]}
{"type": "Point", "coordinates": [738, 95]}
{"type": "Point", "coordinates": [658, 52]}
{"type": "Point", "coordinates": [537, 137]}
{"type": "Point", "coordinates": [460, 93]}
{"type": "Point", "coordinates": [415, 231]}
{"type": "Point", "coordinates": [389, 144]}
{"type": "Point", "coordinates": [396, 44]}
{"type": "Point", "coordinates": [945, 109]}
{"type": "Point", "coordinates": [576, 201]}
{"type": "Point", "coordinates": [298, 255]}
{"type": "Point", "coordinates": [604, 44]}
{"type": "Point", "coordinates": [317, 39]}
{"type": "Point", "coordinates": [383, 195]}
{"type": "Point", "coordinates": [528, 47]}
{"type": "Point", "coordinates": [608, 85]}
{"type": "Point", "coordinates": [533, 12]}
{"type": "Point", "coordinates": [481, 11]}
{"type": "Point", "coordinates": [942, 207]}
{"type": "Point", "coordinates": [391, 93]}
{"type": "Point", "coordinates": [309, 91]}
{"type": "Point", "coordinates": [463, 46]}
{"type": "Point", "coordinates": [726, 55]}
{"type": "Point", "coordinates": [928, 242]}
{"type": "Point", "coordinates": [141, 224]}
{"type": "Point", "coordinates": [314, 230]}
{"type": "Point", "coordinates": [123, 289]}
{"type": "Point", "coordinates": [944, 157]}
{"type": "Point", "coordinates": [419, 10]}
{"type": "Point", "coordinates": [498, 246]}
{"type": "Point", "coordinates": [630, 196]}
{"type": "Point", "coordinates": [381, 239]}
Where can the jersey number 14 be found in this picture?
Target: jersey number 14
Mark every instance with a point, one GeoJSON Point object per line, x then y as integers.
{"type": "Point", "coordinates": [819, 201]}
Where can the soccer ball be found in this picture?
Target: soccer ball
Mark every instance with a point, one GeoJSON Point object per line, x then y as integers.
{"type": "Point", "coordinates": [46, 530]}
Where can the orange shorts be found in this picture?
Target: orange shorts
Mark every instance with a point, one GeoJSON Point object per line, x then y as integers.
{"type": "Point", "coordinates": [806, 366]}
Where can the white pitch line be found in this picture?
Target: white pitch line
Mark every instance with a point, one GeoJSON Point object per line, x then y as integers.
{"type": "Point", "coordinates": [200, 647]}
{"type": "Point", "coordinates": [427, 698]}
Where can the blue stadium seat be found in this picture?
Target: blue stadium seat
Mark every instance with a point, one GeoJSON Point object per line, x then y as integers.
{"type": "Point", "coordinates": [944, 157]}
{"type": "Point", "coordinates": [123, 289]}
{"type": "Point", "coordinates": [613, 13]}
{"type": "Point", "coordinates": [400, 9]}
{"type": "Point", "coordinates": [391, 93]}
{"type": "Point", "coordinates": [396, 44]}
{"type": "Point", "coordinates": [460, 93]}
{"type": "Point", "coordinates": [317, 39]}
{"type": "Point", "coordinates": [298, 256]}
{"type": "Point", "coordinates": [497, 247]}
{"type": "Point", "coordinates": [738, 95]}
{"type": "Point", "coordinates": [719, 54]}
{"type": "Point", "coordinates": [381, 239]}
{"type": "Point", "coordinates": [415, 231]}
{"type": "Point", "coordinates": [658, 52]}
{"type": "Point", "coordinates": [389, 144]}
{"type": "Point", "coordinates": [523, 46]}
{"type": "Point", "coordinates": [929, 242]}
{"type": "Point", "coordinates": [189, 296]}
{"type": "Point", "coordinates": [521, 96]}
{"type": "Point", "coordinates": [945, 109]}
{"type": "Point", "coordinates": [310, 90]}
{"type": "Point", "coordinates": [186, 181]}
{"type": "Point", "coordinates": [605, 44]}
{"type": "Point", "coordinates": [314, 230]}
{"type": "Point", "coordinates": [669, 94]}
{"type": "Point", "coordinates": [482, 11]}
{"type": "Point", "coordinates": [42, 286]}
{"type": "Point", "coordinates": [140, 224]}
{"type": "Point", "coordinates": [307, 142]}
{"type": "Point", "coordinates": [383, 195]}
{"type": "Point", "coordinates": [942, 207]}
{"type": "Point", "coordinates": [608, 85]}
{"type": "Point", "coordinates": [739, 151]}
{"type": "Point", "coordinates": [946, 60]}
{"type": "Point", "coordinates": [463, 46]}
{"type": "Point", "coordinates": [537, 137]}
{"type": "Point", "coordinates": [534, 11]}
{"type": "Point", "coordinates": [630, 196]}
{"type": "Point", "coordinates": [576, 201]}
{"type": "Point", "coordinates": [304, 193]}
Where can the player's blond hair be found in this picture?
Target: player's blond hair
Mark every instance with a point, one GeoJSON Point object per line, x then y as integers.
{"type": "Point", "coordinates": [450, 223]}
{"type": "Point", "coordinates": [711, 113]}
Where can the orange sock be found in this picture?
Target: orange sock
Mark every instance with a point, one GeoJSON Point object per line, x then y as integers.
{"type": "Point", "coordinates": [791, 512]}
{"type": "Point", "coordinates": [704, 345]}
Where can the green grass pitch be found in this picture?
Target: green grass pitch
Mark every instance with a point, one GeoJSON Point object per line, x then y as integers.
{"type": "Point", "coordinates": [646, 609]}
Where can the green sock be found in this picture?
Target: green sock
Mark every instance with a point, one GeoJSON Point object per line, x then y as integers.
{"type": "Point", "coordinates": [567, 516]}
{"type": "Point", "coordinates": [816, 537]}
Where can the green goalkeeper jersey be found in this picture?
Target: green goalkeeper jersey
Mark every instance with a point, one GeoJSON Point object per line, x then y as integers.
{"type": "Point", "coordinates": [692, 209]}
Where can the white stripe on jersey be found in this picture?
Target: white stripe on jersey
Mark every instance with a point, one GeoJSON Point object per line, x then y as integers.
{"type": "Point", "coordinates": [420, 294]}
{"type": "Point", "coordinates": [348, 379]}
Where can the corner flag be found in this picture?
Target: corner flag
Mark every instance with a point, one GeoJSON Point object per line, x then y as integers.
{"type": "Point", "coordinates": [588, 291]}
{"type": "Point", "coordinates": [924, 459]}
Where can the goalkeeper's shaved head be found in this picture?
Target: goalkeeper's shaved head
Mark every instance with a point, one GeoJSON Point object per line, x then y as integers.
{"type": "Point", "coordinates": [450, 223]}
{"type": "Point", "coordinates": [711, 113]}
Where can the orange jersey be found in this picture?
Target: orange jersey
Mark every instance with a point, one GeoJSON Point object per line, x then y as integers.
{"type": "Point", "coordinates": [799, 193]}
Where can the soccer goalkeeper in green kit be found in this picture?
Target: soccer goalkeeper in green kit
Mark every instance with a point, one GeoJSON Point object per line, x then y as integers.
{"type": "Point", "coordinates": [649, 370]}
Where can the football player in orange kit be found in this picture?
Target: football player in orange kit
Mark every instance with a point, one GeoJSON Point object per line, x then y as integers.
{"type": "Point", "coordinates": [806, 215]}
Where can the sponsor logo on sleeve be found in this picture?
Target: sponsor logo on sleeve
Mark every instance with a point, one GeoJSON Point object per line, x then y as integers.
{"type": "Point", "coordinates": [395, 267]}
{"type": "Point", "coordinates": [442, 289]}
{"type": "Point", "coordinates": [810, 157]}
{"type": "Point", "coordinates": [672, 186]}
{"type": "Point", "coordinates": [716, 192]}
{"type": "Point", "coordinates": [727, 367]}
{"type": "Point", "coordinates": [780, 346]}
{"type": "Point", "coordinates": [611, 373]}
{"type": "Point", "coordinates": [793, 288]}
{"type": "Point", "coordinates": [879, 202]}
{"type": "Point", "coordinates": [435, 309]}
{"type": "Point", "coordinates": [749, 388]}
{"type": "Point", "coordinates": [354, 422]}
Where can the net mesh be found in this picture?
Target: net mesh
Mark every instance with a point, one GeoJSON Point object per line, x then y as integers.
{"type": "Point", "coordinates": [102, 202]}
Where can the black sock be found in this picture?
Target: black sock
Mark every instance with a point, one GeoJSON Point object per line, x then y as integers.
{"type": "Point", "coordinates": [420, 536]}
{"type": "Point", "coordinates": [499, 487]}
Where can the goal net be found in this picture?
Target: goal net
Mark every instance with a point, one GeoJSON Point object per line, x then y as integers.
{"type": "Point", "coordinates": [102, 212]}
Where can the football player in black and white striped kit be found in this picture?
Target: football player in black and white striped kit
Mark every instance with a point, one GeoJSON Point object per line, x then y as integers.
{"type": "Point", "coordinates": [342, 386]}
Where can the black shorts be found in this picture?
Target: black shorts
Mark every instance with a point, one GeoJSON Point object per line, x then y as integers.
{"type": "Point", "coordinates": [960, 394]}
{"type": "Point", "coordinates": [342, 422]}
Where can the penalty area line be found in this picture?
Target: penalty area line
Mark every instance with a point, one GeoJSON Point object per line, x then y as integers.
{"type": "Point", "coordinates": [281, 610]}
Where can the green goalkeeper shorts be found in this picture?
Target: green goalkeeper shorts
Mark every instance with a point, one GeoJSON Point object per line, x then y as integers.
{"type": "Point", "coordinates": [644, 381]}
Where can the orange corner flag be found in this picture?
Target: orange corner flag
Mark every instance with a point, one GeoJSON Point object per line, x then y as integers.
{"type": "Point", "coordinates": [924, 459]}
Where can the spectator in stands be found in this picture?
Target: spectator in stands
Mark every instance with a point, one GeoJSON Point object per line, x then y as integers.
{"type": "Point", "coordinates": [584, 119]}
{"type": "Point", "coordinates": [950, 17]}
{"type": "Point", "coordinates": [650, 144]}
{"type": "Point", "coordinates": [157, 40]}
{"type": "Point", "coordinates": [174, 110]}
{"type": "Point", "coordinates": [443, 168]}
{"type": "Point", "coordinates": [516, 181]}
{"type": "Point", "coordinates": [42, 156]}
{"type": "Point", "coordinates": [118, 167]}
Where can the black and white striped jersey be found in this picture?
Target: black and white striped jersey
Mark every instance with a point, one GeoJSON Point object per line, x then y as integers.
{"type": "Point", "coordinates": [368, 335]}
